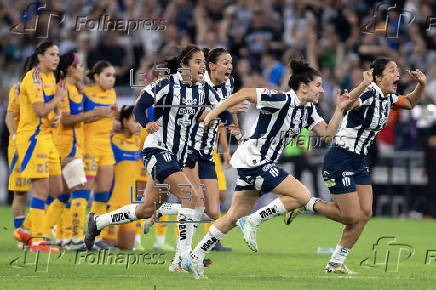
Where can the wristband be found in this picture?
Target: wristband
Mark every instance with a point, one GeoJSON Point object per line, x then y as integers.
{"type": "Point", "coordinates": [238, 137]}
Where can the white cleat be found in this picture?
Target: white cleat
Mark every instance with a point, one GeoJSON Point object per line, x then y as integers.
{"type": "Point", "coordinates": [194, 267]}
{"type": "Point", "coordinates": [249, 232]}
{"type": "Point", "coordinates": [148, 223]}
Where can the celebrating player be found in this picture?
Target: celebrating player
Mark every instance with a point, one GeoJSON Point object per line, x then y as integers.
{"type": "Point", "coordinates": [344, 171]}
{"type": "Point", "coordinates": [178, 106]}
{"type": "Point", "coordinates": [281, 117]}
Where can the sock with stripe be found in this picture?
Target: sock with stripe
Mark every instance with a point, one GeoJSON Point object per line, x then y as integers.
{"type": "Point", "coordinates": [99, 204]}
{"type": "Point", "coordinates": [79, 202]}
{"type": "Point", "coordinates": [18, 221]}
{"type": "Point", "coordinates": [37, 209]}
{"type": "Point", "coordinates": [67, 225]}
{"type": "Point", "coordinates": [54, 212]}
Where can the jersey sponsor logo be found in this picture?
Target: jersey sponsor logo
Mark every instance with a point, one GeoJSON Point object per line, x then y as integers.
{"type": "Point", "coordinates": [184, 111]}
{"type": "Point", "coordinates": [118, 217]}
{"type": "Point", "coordinates": [209, 243]}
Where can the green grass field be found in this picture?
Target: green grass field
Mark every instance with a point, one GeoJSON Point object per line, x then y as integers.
{"type": "Point", "coordinates": [287, 259]}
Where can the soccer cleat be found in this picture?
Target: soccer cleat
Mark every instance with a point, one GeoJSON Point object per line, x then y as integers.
{"type": "Point", "coordinates": [220, 248]}
{"type": "Point", "coordinates": [79, 246]}
{"type": "Point", "coordinates": [249, 232]}
{"type": "Point", "coordinates": [23, 236]}
{"type": "Point", "coordinates": [92, 231]}
{"type": "Point", "coordinates": [165, 247]}
{"type": "Point", "coordinates": [291, 215]}
{"type": "Point", "coordinates": [43, 247]}
{"type": "Point", "coordinates": [193, 266]}
{"type": "Point", "coordinates": [207, 262]}
{"type": "Point", "coordinates": [175, 266]}
{"type": "Point", "coordinates": [338, 269]}
{"type": "Point", "coordinates": [148, 223]}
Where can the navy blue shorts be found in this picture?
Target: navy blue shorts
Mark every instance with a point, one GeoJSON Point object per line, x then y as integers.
{"type": "Point", "coordinates": [206, 165]}
{"type": "Point", "coordinates": [343, 170]}
{"type": "Point", "coordinates": [264, 178]}
{"type": "Point", "coordinates": [160, 163]}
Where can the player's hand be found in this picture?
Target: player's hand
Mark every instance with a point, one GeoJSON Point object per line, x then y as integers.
{"type": "Point", "coordinates": [343, 102]}
{"type": "Point", "coordinates": [65, 161]}
{"type": "Point", "coordinates": [80, 87]}
{"type": "Point", "coordinates": [226, 159]}
{"type": "Point", "coordinates": [235, 131]}
{"type": "Point", "coordinates": [103, 112]}
{"type": "Point", "coordinates": [241, 107]}
{"type": "Point", "coordinates": [56, 120]}
{"type": "Point", "coordinates": [418, 76]}
{"type": "Point", "coordinates": [367, 77]}
{"type": "Point", "coordinates": [61, 91]}
{"type": "Point", "coordinates": [114, 109]}
{"type": "Point", "coordinates": [208, 119]}
{"type": "Point", "coordinates": [152, 127]}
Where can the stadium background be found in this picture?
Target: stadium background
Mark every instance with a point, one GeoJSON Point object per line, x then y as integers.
{"type": "Point", "coordinates": [340, 38]}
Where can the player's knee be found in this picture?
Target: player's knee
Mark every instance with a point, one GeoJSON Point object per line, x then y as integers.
{"type": "Point", "coordinates": [366, 215]}
{"type": "Point", "coordinates": [351, 219]}
{"type": "Point", "coordinates": [214, 214]}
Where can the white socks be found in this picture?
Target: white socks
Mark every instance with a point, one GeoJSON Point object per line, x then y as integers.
{"type": "Point", "coordinates": [339, 254]}
{"type": "Point", "coordinates": [160, 240]}
{"type": "Point", "coordinates": [207, 243]}
{"type": "Point", "coordinates": [186, 231]}
{"type": "Point", "coordinates": [123, 215]}
{"type": "Point", "coordinates": [169, 208]}
{"type": "Point", "coordinates": [311, 203]}
{"type": "Point", "coordinates": [271, 210]}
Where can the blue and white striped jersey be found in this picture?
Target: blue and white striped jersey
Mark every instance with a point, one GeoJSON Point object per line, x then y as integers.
{"type": "Point", "coordinates": [200, 140]}
{"type": "Point", "coordinates": [177, 107]}
{"type": "Point", "coordinates": [360, 126]}
{"type": "Point", "coordinates": [281, 118]}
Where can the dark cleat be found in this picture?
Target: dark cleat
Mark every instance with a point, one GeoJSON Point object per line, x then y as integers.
{"type": "Point", "coordinates": [220, 248]}
{"type": "Point", "coordinates": [92, 231]}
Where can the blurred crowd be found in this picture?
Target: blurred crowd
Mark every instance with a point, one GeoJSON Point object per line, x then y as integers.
{"type": "Point", "coordinates": [338, 37]}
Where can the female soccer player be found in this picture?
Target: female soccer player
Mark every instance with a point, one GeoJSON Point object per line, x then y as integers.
{"type": "Point", "coordinates": [202, 144]}
{"type": "Point", "coordinates": [20, 186]}
{"type": "Point", "coordinates": [38, 158]}
{"type": "Point", "coordinates": [251, 223]}
{"type": "Point", "coordinates": [344, 171]}
{"type": "Point", "coordinates": [99, 159]}
{"type": "Point", "coordinates": [70, 143]}
{"type": "Point", "coordinates": [179, 102]}
{"type": "Point", "coordinates": [281, 117]}
{"type": "Point", "coordinates": [127, 150]}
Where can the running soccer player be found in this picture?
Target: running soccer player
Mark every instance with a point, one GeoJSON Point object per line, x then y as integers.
{"type": "Point", "coordinates": [179, 104]}
{"type": "Point", "coordinates": [38, 157]}
{"type": "Point", "coordinates": [99, 159]}
{"type": "Point", "coordinates": [202, 144]}
{"type": "Point", "coordinates": [251, 223]}
{"type": "Point", "coordinates": [282, 116]}
{"type": "Point", "coordinates": [127, 151]}
{"type": "Point", "coordinates": [344, 171]}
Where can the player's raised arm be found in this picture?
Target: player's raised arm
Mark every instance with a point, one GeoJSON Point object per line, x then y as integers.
{"type": "Point", "coordinates": [343, 102]}
{"type": "Point", "coordinates": [242, 95]}
{"type": "Point", "coordinates": [411, 100]}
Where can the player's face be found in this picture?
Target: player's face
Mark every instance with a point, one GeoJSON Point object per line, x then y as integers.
{"type": "Point", "coordinates": [197, 66]}
{"type": "Point", "coordinates": [49, 60]}
{"type": "Point", "coordinates": [315, 90]}
{"type": "Point", "coordinates": [223, 67]}
{"type": "Point", "coordinates": [388, 82]}
{"type": "Point", "coordinates": [106, 79]}
{"type": "Point", "coordinates": [77, 72]}
{"type": "Point", "coordinates": [132, 126]}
